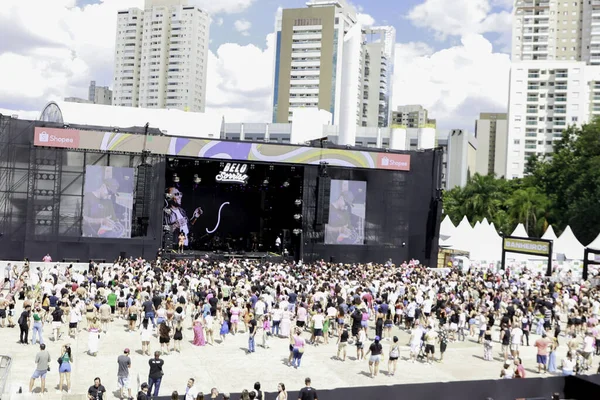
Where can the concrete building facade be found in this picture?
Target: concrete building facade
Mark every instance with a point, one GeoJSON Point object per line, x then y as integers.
{"type": "Point", "coordinates": [412, 116]}
{"type": "Point", "coordinates": [461, 158]}
{"type": "Point", "coordinates": [161, 56]}
{"type": "Point", "coordinates": [325, 59]}
{"type": "Point", "coordinates": [491, 131]}
{"type": "Point", "coordinates": [554, 75]}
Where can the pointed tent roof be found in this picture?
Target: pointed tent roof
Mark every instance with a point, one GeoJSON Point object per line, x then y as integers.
{"type": "Point", "coordinates": [568, 245]}
{"type": "Point", "coordinates": [462, 237]}
{"type": "Point", "coordinates": [549, 234]}
{"type": "Point", "coordinates": [485, 222]}
{"type": "Point", "coordinates": [447, 228]}
{"type": "Point", "coordinates": [595, 245]}
{"type": "Point", "coordinates": [487, 244]}
{"type": "Point", "coordinates": [520, 231]}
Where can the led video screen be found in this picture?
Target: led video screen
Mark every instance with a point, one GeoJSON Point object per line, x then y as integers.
{"type": "Point", "coordinates": [107, 202]}
{"type": "Point", "coordinates": [347, 205]}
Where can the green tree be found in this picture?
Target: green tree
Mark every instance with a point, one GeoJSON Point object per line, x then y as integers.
{"type": "Point", "coordinates": [528, 205]}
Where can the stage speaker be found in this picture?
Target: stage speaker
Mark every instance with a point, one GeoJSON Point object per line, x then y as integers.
{"type": "Point", "coordinates": [322, 203]}
{"type": "Point", "coordinates": [142, 199]}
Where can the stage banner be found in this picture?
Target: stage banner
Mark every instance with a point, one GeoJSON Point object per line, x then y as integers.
{"type": "Point", "coordinates": [218, 149]}
{"type": "Point", "coordinates": [107, 202]}
{"type": "Point", "coordinates": [527, 246]}
{"type": "Point", "coordinates": [347, 205]}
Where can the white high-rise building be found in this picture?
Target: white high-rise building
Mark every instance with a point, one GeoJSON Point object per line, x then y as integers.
{"type": "Point", "coordinates": [161, 56]}
{"type": "Point", "coordinates": [325, 59]}
{"type": "Point", "coordinates": [555, 75]}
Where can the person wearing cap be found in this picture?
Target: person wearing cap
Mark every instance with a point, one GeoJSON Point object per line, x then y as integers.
{"type": "Point", "coordinates": [376, 352]}
{"type": "Point", "coordinates": [226, 396]}
{"type": "Point", "coordinates": [124, 362]}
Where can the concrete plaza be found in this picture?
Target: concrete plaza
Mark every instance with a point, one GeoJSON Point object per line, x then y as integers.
{"type": "Point", "coordinates": [229, 368]}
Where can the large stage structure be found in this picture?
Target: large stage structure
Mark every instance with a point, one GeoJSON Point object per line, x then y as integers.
{"type": "Point", "coordinates": [89, 192]}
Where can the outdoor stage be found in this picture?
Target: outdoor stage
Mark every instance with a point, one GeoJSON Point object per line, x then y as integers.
{"type": "Point", "coordinates": [82, 193]}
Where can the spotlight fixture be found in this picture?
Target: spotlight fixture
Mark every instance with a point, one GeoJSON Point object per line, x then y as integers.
{"type": "Point", "coordinates": [297, 216]}
{"type": "Point", "coordinates": [197, 179]}
{"type": "Point", "coordinates": [266, 182]}
{"type": "Point", "coordinates": [297, 231]}
{"type": "Point", "coordinates": [286, 184]}
{"type": "Point", "coordinates": [175, 178]}
{"type": "Point", "coordinates": [298, 202]}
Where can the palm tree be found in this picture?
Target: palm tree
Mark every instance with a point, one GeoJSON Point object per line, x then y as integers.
{"type": "Point", "coordinates": [482, 197]}
{"type": "Point", "coordinates": [527, 205]}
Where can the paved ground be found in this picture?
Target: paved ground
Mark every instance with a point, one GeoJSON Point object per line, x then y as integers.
{"type": "Point", "coordinates": [228, 367]}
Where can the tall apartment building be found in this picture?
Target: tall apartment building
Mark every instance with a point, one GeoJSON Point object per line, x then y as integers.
{"type": "Point", "coordinates": [378, 74]}
{"type": "Point", "coordinates": [491, 130]}
{"type": "Point", "coordinates": [325, 59]}
{"type": "Point", "coordinates": [161, 56]}
{"type": "Point", "coordinates": [412, 116]}
{"type": "Point", "coordinates": [555, 75]}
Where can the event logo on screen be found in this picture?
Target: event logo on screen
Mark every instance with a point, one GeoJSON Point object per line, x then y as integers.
{"type": "Point", "coordinates": [55, 137]}
{"type": "Point", "coordinates": [399, 162]}
{"type": "Point", "coordinates": [233, 173]}
{"type": "Point", "coordinates": [44, 137]}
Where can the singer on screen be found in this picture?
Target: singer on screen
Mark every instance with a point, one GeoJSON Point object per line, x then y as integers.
{"type": "Point", "coordinates": [175, 217]}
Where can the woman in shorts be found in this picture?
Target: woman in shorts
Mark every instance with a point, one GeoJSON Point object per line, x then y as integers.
{"type": "Point", "coordinates": [393, 356]}
{"type": "Point", "coordinates": [164, 337]}
{"type": "Point", "coordinates": [376, 354]}
{"type": "Point", "coordinates": [66, 359]}
{"type": "Point", "coordinates": [360, 344]}
{"type": "Point", "coordinates": [342, 343]}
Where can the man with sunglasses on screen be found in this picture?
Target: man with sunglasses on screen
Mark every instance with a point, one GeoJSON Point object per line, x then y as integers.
{"type": "Point", "coordinates": [175, 217]}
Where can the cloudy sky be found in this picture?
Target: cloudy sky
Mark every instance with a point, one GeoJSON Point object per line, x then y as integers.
{"type": "Point", "coordinates": [452, 55]}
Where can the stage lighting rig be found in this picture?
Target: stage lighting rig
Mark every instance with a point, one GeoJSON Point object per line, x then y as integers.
{"type": "Point", "coordinates": [298, 202]}
{"type": "Point", "coordinates": [197, 179]}
{"type": "Point", "coordinates": [286, 184]}
{"type": "Point", "coordinates": [297, 216]}
{"type": "Point", "coordinates": [175, 178]}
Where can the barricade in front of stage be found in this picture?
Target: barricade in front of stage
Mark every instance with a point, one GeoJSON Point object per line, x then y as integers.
{"type": "Point", "coordinates": [570, 387]}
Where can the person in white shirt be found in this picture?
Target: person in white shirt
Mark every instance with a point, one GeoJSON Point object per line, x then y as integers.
{"type": "Point", "coordinates": [190, 391]}
{"type": "Point", "coordinates": [318, 320]}
{"type": "Point", "coordinates": [516, 334]}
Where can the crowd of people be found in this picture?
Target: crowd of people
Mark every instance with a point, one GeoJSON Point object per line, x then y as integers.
{"type": "Point", "coordinates": [309, 305]}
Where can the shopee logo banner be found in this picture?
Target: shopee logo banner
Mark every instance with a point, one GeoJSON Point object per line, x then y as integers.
{"type": "Point", "coordinates": [398, 162]}
{"type": "Point", "coordinates": [54, 137]}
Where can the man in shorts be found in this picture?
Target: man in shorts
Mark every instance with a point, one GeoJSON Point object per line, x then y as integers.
{"type": "Point", "coordinates": [431, 338]}
{"type": "Point", "coordinates": [124, 363]}
{"type": "Point", "coordinates": [42, 361]}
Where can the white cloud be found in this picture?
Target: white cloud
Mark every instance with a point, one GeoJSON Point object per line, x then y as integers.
{"type": "Point", "coordinates": [242, 26]}
{"type": "Point", "coordinates": [223, 6]}
{"type": "Point", "coordinates": [365, 19]}
{"type": "Point", "coordinates": [454, 84]}
{"type": "Point", "coordinates": [463, 17]}
{"type": "Point", "coordinates": [240, 82]}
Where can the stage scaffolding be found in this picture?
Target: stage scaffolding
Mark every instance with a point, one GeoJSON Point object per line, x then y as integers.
{"type": "Point", "coordinates": [41, 197]}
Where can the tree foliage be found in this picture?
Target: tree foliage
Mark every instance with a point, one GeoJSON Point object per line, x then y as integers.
{"type": "Point", "coordinates": [562, 189]}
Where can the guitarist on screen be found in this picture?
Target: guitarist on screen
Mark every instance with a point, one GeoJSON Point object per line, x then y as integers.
{"type": "Point", "coordinates": [175, 217]}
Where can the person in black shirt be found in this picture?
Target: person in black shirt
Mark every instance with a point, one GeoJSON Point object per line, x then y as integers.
{"type": "Point", "coordinates": [376, 350]}
{"type": "Point", "coordinates": [252, 328]}
{"type": "Point", "coordinates": [96, 392]}
{"type": "Point", "coordinates": [307, 392]}
{"type": "Point", "coordinates": [259, 395]}
{"type": "Point", "coordinates": [156, 373]}
{"type": "Point", "coordinates": [143, 393]}
{"type": "Point", "coordinates": [24, 325]}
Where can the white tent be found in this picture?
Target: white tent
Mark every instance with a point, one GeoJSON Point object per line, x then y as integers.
{"type": "Point", "coordinates": [487, 244]}
{"type": "Point", "coordinates": [520, 231]}
{"type": "Point", "coordinates": [595, 245]}
{"type": "Point", "coordinates": [463, 236]}
{"type": "Point", "coordinates": [447, 228]}
{"type": "Point", "coordinates": [549, 234]}
{"type": "Point", "coordinates": [568, 245]}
